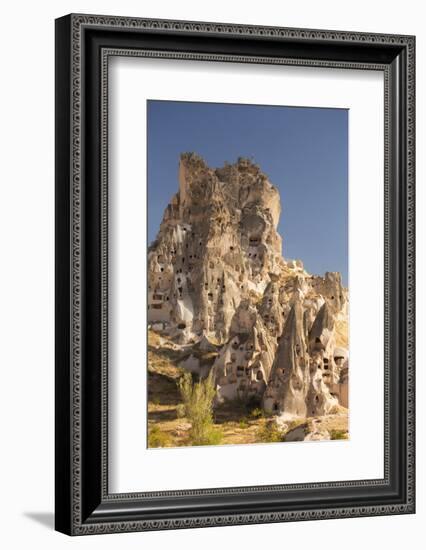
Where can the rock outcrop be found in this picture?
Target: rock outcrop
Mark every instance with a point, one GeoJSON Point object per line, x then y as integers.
{"type": "Point", "coordinates": [216, 273]}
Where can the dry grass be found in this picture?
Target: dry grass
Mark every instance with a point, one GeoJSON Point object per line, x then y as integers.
{"type": "Point", "coordinates": [335, 422]}
{"type": "Point", "coordinates": [248, 431]}
{"type": "Point", "coordinates": [243, 429]}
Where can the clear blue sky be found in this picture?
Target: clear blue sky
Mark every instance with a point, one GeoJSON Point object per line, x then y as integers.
{"type": "Point", "coordinates": [303, 151]}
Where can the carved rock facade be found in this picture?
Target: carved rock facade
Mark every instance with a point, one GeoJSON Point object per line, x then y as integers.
{"type": "Point", "coordinates": [216, 274]}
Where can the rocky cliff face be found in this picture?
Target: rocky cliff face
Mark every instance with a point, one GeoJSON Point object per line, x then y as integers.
{"type": "Point", "coordinates": [217, 276]}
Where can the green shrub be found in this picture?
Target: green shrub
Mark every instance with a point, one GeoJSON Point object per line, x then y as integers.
{"type": "Point", "coordinates": [158, 438]}
{"type": "Point", "coordinates": [338, 434]}
{"type": "Point", "coordinates": [212, 436]}
{"type": "Point", "coordinates": [256, 413]}
{"type": "Point", "coordinates": [243, 424]}
{"type": "Point", "coordinates": [269, 433]}
{"type": "Point", "coordinates": [198, 402]}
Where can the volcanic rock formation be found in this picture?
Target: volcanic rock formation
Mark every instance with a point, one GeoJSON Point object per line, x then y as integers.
{"type": "Point", "coordinates": [217, 277]}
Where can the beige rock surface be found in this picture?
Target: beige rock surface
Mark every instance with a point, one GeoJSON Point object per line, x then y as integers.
{"type": "Point", "coordinates": [217, 278]}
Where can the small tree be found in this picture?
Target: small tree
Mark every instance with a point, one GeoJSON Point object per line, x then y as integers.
{"type": "Point", "coordinates": [198, 401]}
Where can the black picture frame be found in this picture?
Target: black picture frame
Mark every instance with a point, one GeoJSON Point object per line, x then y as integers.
{"type": "Point", "coordinates": [83, 45]}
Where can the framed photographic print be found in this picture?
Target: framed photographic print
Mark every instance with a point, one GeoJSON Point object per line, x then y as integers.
{"type": "Point", "coordinates": [234, 274]}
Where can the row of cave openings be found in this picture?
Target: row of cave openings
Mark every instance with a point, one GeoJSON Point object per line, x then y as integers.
{"type": "Point", "coordinates": [245, 370]}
